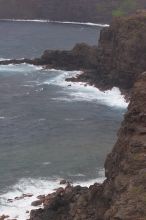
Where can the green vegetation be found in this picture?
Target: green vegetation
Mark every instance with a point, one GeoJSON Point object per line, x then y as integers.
{"type": "Point", "coordinates": [125, 7]}
{"type": "Point", "coordinates": [117, 13]}
{"type": "Point", "coordinates": [119, 7]}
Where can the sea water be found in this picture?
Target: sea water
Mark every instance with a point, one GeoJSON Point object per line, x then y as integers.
{"type": "Point", "coordinates": [50, 129]}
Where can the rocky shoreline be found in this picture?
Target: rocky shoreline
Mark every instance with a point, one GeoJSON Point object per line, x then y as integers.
{"type": "Point", "coordinates": [122, 195]}
{"type": "Point", "coordinates": [119, 60]}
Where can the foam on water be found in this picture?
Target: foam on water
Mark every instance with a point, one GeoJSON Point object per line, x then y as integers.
{"type": "Point", "coordinates": [19, 68]}
{"type": "Point", "coordinates": [4, 59]}
{"type": "Point", "coordinates": [81, 92]}
{"type": "Point", "coordinates": [72, 91]}
{"type": "Point", "coordinates": [18, 208]}
{"type": "Point", "coordinates": [59, 22]}
{"type": "Point", "coordinates": [2, 117]}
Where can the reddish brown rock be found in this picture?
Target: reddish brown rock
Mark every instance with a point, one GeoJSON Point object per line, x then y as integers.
{"type": "Point", "coordinates": [3, 217]}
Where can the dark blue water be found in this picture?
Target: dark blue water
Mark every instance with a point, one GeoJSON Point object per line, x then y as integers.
{"type": "Point", "coordinates": [30, 39]}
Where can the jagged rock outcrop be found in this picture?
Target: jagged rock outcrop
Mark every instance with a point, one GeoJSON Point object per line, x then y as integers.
{"type": "Point", "coordinates": [121, 53]}
{"type": "Point", "coordinates": [82, 56]}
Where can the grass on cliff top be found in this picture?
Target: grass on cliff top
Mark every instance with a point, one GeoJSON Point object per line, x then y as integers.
{"type": "Point", "coordinates": [121, 8]}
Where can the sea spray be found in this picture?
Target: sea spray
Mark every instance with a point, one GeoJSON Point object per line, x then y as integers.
{"type": "Point", "coordinates": [76, 91]}
{"type": "Point", "coordinates": [21, 208]}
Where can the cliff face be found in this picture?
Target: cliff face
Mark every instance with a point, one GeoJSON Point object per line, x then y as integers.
{"type": "Point", "coordinates": [122, 49]}
{"type": "Point", "coordinates": [121, 53]}
{"type": "Point", "coordinates": [125, 167]}
{"type": "Point", "coordinates": [122, 196]}
{"type": "Point", "coordinates": [81, 56]}
{"type": "Point", "coordinates": [69, 10]}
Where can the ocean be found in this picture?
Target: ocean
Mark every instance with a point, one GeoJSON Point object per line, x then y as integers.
{"type": "Point", "coordinates": [50, 129]}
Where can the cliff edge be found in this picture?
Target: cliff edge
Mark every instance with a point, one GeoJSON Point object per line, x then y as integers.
{"type": "Point", "coordinates": [122, 196]}
{"type": "Point", "coordinates": [121, 53]}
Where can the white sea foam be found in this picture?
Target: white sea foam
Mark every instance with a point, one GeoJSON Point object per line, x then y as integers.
{"type": "Point", "coordinates": [46, 163]}
{"type": "Point", "coordinates": [58, 22]}
{"type": "Point", "coordinates": [3, 59]}
{"type": "Point", "coordinates": [2, 117]}
{"type": "Point", "coordinates": [77, 175]}
{"type": "Point", "coordinates": [72, 91]}
{"type": "Point", "coordinates": [17, 208]}
{"type": "Point", "coordinates": [81, 92]}
{"type": "Point", "coordinates": [19, 68]}
{"type": "Point", "coordinates": [74, 119]}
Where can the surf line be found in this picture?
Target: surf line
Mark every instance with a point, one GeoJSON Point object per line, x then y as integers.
{"type": "Point", "coordinates": [57, 22]}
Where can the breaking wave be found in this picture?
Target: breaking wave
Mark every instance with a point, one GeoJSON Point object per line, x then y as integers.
{"type": "Point", "coordinates": [75, 91]}
{"type": "Point", "coordinates": [20, 208]}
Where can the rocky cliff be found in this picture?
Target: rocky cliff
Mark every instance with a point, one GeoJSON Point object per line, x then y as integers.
{"type": "Point", "coordinates": [117, 60]}
{"type": "Point", "coordinates": [122, 196]}
{"type": "Point", "coordinates": [121, 52]}
{"type": "Point", "coordinates": [99, 11]}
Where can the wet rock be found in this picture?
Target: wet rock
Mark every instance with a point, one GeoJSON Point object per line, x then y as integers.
{"type": "Point", "coordinates": [3, 217]}
{"type": "Point", "coordinates": [10, 200]}
{"type": "Point", "coordinates": [63, 182]}
{"type": "Point", "coordinates": [36, 203]}
{"type": "Point", "coordinates": [23, 196]}
{"type": "Point", "coordinates": [60, 191]}
{"type": "Point", "coordinates": [27, 195]}
{"type": "Point", "coordinates": [41, 197]}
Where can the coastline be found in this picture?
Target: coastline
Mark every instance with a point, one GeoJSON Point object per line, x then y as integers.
{"type": "Point", "coordinates": [57, 22]}
{"type": "Point", "coordinates": [123, 191]}
{"type": "Point", "coordinates": [99, 201]}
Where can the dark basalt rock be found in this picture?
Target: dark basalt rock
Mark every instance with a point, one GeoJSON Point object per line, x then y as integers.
{"type": "Point", "coordinates": [121, 54]}
{"type": "Point", "coordinates": [37, 203]}
{"type": "Point", "coordinates": [82, 56]}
